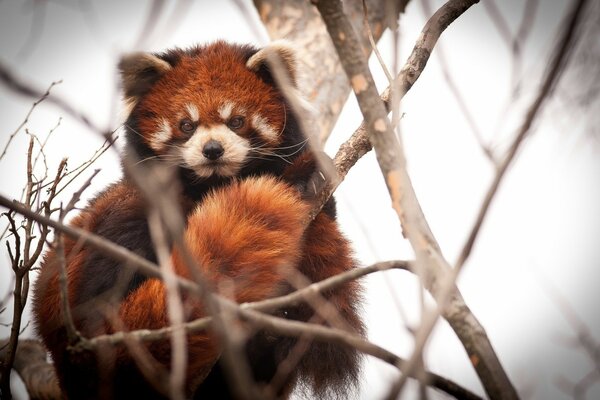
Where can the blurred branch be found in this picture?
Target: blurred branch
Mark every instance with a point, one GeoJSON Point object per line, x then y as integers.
{"type": "Point", "coordinates": [499, 21]}
{"type": "Point", "coordinates": [434, 270]}
{"type": "Point", "coordinates": [519, 40]}
{"type": "Point", "coordinates": [358, 144]}
{"type": "Point", "coordinates": [17, 85]}
{"type": "Point", "coordinates": [332, 335]}
{"type": "Point", "coordinates": [36, 27]}
{"type": "Point", "coordinates": [37, 374]}
{"type": "Point", "coordinates": [373, 43]}
{"type": "Point", "coordinates": [249, 312]}
{"type": "Point", "coordinates": [27, 250]}
{"type": "Point", "coordinates": [559, 61]}
{"type": "Point", "coordinates": [175, 311]}
{"type": "Point", "coordinates": [455, 90]}
{"type": "Point", "coordinates": [584, 339]}
{"type": "Point", "coordinates": [26, 120]}
{"type": "Point", "coordinates": [72, 334]}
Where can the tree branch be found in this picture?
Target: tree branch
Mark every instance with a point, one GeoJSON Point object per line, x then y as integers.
{"type": "Point", "coordinates": [248, 311]}
{"type": "Point", "coordinates": [560, 58]}
{"type": "Point", "coordinates": [37, 374]}
{"type": "Point", "coordinates": [358, 144]}
{"type": "Point", "coordinates": [326, 87]}
{"type": "Point", "coordinates": [435, 271]}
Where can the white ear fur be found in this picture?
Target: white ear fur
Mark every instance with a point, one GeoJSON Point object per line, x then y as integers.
{"type": "Point", "coordinates": [139, 71]}
{"type": "Point", "coordinates": [279, 51]}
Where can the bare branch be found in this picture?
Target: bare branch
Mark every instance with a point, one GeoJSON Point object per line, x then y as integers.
{"type": "Point", "coordinates": [560, 59]}
{"type": "Point", "coordinates": [72, 333]}
{"type": "Point", "coordinates": [390, 156]}
{"type": "Point", "coordinates": [14, 83]}
{"type": "Point", "coordinates": [106, 247]}
{"type": "Point", "coordinates": [26, 120]}
{"type": "Point", "coordinates": [455, 90]}
{"type": "Point", "coordinates": [37, 374]}
{"type": "Point", "coordinates": [358, 144]}
{"type": "Point", "coordinates": [77, 195]}
{"type": "Point", "coordinates": [263, 306]}
{"type": "Point", "coordinates": [174, 307]}
{"type": "Point", "coordinates": [319, 332]}
{"type": "Point", "coordinates": [326, 87]}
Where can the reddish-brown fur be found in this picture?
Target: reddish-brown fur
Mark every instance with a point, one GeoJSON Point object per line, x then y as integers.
{"type": "Point", "coordinates": [253, 228]}
{"type": "Point", "coordinates": [245, 233]}
{"type": "Point", "coordinates": [223, 77]}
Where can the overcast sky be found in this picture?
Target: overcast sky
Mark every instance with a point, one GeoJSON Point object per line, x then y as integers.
{"type": "Point", "coordinates": [543, 226]}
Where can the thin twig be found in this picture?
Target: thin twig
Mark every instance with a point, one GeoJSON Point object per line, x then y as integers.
{"type": "Point", "coordinates": [367, 26]}
{"type": "Point", "coordinates": [263, 306]}
{"type": "Point", "coordinates": [26, 120]}
{"type": "Point", "coordinates": [18, 85]}
{"type": "Point", "coordinates": [390, 156]}
{"type": "Point", "coordinates": [321, 286]}
{"type": "Point", "coordinates": [560, 59]}
{"type": "Point", "coordinates": [331, 335]}
{"type": "Point", "coordinates": [72, 334]}
{"type": "Point", "coordinates": [455, 90]}
{"type": "Point", "coordinates": [174, 307]}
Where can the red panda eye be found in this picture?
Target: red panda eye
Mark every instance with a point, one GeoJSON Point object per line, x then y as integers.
{"type": "Point", "coordinates": [187, 126]}
{"type": "Point", "coordinates": [236, 122]}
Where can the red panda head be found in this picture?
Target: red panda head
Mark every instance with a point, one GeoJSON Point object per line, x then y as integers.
{"type": "Point", "coordinates": [211, 109]}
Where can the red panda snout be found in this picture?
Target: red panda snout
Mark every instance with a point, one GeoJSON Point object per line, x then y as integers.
{"type": "Point", "coordinates": [215, 150]}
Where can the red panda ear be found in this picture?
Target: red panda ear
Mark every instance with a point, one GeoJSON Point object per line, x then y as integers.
{"type": "Point", "coordinates": [279, 52]}
{"type": "Point", "coordinates": [139, 71]}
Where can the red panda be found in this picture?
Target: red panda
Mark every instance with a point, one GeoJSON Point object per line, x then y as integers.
{"type": "Point", "coordinates": [217, 115]}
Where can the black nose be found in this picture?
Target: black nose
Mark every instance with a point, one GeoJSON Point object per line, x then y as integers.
{"type": "Point", "coordinates": [213, 150]}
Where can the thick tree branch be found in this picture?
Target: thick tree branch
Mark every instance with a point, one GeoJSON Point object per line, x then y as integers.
{"type": "Point", "coordinates": [435, 271]}
{"type": "Point", "coordinates": [247, 311]}
{"type": "Point", "coordinates": [358, 144]}
{"type": "Point", "coordinates": [37, 374]}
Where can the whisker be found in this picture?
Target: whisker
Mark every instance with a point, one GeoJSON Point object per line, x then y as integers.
{"type": "Point", "coordinates": [299, 144]}
{"type": "Point", "coordinates": [270, 155]}
{"type": "Point", "coordinates": [146, 159]}
{"type": "Point", "coordinates": [269, 151]}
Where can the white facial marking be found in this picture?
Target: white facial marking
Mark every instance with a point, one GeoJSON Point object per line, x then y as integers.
{"type": "Point", "coordinates": [193, 112]}
{"type": "Point", "coordinates": [235, 148]}
{"type": "Point", "coordinates": [161, 136]}
{"type": "Point", "coordinates": [263, 127]}
{"type": "Point", "coordinates": [225, 110]}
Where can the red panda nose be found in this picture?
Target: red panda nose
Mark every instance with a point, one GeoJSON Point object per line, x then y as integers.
{"type": "Point", "coordinates": [213, 150]}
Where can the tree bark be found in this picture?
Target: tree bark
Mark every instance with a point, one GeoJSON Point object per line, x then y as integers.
{"type": "Point", "coordinates": [37, 374]}
{"type": "Point", "coordinates": [326, 86]}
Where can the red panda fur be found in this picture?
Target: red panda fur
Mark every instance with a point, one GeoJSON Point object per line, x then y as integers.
{"type": "Point", "coordinates": [245, 230]}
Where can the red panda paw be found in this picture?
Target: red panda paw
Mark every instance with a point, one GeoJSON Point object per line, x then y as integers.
{"type": "Point", "coordinates": [245, 234]}
{"type": "Point", "coordinates": [307, 175]}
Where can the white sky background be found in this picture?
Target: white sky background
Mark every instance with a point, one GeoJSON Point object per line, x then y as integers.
{"type": "Point", "coordinates": [543, 222]}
